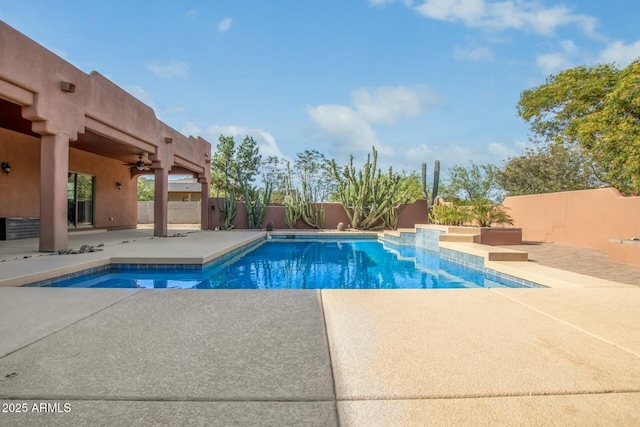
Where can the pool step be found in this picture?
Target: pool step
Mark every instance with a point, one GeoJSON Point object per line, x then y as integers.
{"type": "Point", "coordinates": [401, 236]}
{"type": "Point", "coordinates": [489, 253]}
{"type": "Point", "coordinates": [399, 232]}
{"type": "Point", "coordinates": [459, 237]}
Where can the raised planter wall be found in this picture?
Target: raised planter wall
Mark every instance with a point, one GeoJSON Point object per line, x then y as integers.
{"type": "Point", "coordinates": [499, 236]}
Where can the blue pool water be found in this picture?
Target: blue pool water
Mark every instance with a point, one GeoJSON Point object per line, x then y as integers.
{"type": "Point", "coordinates": [305, 264]}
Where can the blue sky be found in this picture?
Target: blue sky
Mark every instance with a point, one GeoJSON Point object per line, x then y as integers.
{"type": "Point", "coordinates": [421, 80]}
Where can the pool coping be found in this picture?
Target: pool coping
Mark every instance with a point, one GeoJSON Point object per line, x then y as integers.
{"type": "Point", "coordinates": [76, 267]}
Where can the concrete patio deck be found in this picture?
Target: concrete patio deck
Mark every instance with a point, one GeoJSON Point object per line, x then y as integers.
{"type": "Point", "coordinates": [557, 356]}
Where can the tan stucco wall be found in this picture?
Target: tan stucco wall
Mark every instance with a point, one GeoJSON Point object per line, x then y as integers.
{"type": "Point", "coordinates": [586, 218]}
{"type": "Point", "coordinates": [20, 190]}
{"type": "Point", "coordinates": [113, 208]}
{"type": "Point", "coordinates": [625, 251]}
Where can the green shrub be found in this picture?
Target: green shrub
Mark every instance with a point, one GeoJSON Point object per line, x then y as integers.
{"type": "Point", "coordinates": [449, 214]}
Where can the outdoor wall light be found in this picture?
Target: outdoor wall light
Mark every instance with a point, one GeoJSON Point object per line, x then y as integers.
{"type": "Point", "coordinates": [119, 185]}
{"type": "Point", "coordinates": [6, 167]}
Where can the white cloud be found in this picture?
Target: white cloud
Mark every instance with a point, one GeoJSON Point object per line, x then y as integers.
{"type": "Point", "coordinates": [350, 130]}
{"type": "Point", "coordinates": [508, 14]}
{"type": "Point", "coordinates": [551, 63]}
{"type": "Point", "coordinates": [224, 25]}
{"type": "Point", "coordinates": [172, 69]}
{"type": "Point", "coordinates": [387, 104]}
{"type": "Point", "coordinates": [569, 46]}
{"type": "Point", "coordinates": [265, 140]}
{"type": "Point", "coordinates": [470, 54]}
{"type": "Point", "coordinates": [620, 53]}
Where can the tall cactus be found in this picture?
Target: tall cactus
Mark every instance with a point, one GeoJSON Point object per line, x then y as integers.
{"type": "Point", "coordinates": [256, 208]}
{"type": "Point", "coordinates": [310, 214]}
{"type": "Point", "coordinates": [227, 210]}
{"type": "Point", "coordinates": [366, 194]}
{"type": "Point", "coordinates": [431, 198]}
{"type": "Point", "coordinates": [292, 210]}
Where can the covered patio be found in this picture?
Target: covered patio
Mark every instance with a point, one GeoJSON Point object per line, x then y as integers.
{"type": "Point", "coordinates": [75, 145]}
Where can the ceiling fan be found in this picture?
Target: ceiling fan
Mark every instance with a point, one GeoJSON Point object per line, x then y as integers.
{"type": "Point", "coordinates": [140, 165]}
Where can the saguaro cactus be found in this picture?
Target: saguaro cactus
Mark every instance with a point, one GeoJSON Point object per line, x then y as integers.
{"type": "Point", "coordinates": [431, 198]}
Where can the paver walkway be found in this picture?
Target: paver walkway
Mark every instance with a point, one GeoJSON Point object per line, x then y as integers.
{"type": "Point", "coordinates": [590, 262]}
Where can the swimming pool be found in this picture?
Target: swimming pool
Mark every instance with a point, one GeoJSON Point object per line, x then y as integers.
{"type": "Point", "coordinates": [304, 264]}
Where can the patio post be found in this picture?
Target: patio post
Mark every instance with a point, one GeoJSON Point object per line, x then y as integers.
{"type": "Point", "coordinates": [160, 202]}
{"type": "Point", "coordinates": [54, 170]}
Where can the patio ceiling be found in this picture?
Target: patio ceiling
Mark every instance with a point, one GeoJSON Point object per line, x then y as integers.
{"type": "Point", "coordinates": [102, 146]}
{"type": "Point", "coordinates": [11, 118]}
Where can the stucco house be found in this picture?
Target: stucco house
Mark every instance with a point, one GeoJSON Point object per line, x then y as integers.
{"type": "Point", "coordinates": [72, 146]}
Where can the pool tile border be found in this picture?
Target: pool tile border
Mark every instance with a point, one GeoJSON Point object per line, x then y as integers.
{"type": "Point", "coordinates": [498, 276]}
{"type": "Point", "coordinates": [58, 279]}
{"type": "Point", "coordinates": [115, 266]}
{"type": "Point", "coordinates": [428, 239]}
{"type": "Point", "coordinates": [467, 260]}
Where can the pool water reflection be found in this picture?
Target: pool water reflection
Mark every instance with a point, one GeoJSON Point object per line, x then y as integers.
{"type": "Point", "coordinates": [306, 264]}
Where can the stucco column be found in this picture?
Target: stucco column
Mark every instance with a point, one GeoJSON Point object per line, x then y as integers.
{"type": "Point", "coordinates": [54, 169]}
{"type": "Point", "coordinates": [204, 206]}
{"type": "Point", "coordinates": [160, 202]}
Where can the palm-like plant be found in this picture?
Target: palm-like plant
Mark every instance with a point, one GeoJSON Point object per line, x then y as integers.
{"type": "Point", "coordinates": [486, 213]}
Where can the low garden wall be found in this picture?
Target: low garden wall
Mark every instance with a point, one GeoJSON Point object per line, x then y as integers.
{"type": "Point", "coordinates": [411, 214]}
{"type": "Point", "coordinates": [177, 212]}
{"type": "Point", "coordinates": [587, 218]}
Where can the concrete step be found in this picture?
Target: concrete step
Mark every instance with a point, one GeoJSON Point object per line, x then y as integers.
{"type": "Point", "coordinates": [459, 237]}
{"type": "Point", "coordinates": [489, 253]}
{"type": "Point", "coordinates": [399, 232]}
